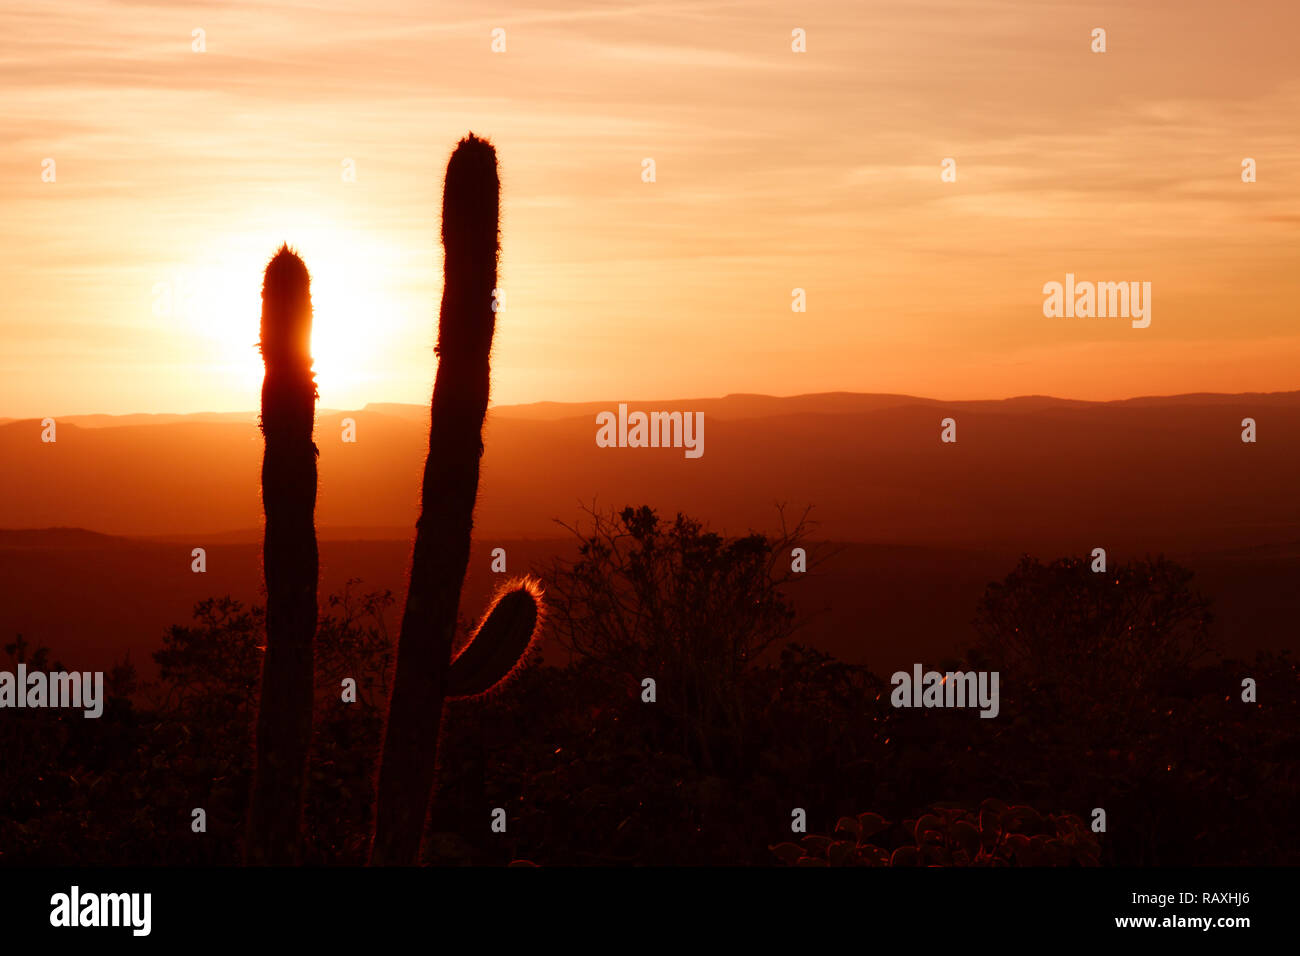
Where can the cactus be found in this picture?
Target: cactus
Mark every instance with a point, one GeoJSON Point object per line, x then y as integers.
{"type": "Point", "coordinates": [500, 642]}
{"type": "Point", "coordinates": [425, 674]}
{"type": "Point", "coordinates": [290, 563]}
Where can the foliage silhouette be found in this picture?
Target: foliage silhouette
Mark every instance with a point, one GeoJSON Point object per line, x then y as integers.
{"type": "Point", "coordinates": [685, 606]}
{"type": "Point", "coordinates": [592, 775]}
{"type": "Point", "coordinates": [1092, 650]}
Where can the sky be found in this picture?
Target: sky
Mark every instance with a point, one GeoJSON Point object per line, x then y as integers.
{"type": "Point", "coordinates": [131, 281]}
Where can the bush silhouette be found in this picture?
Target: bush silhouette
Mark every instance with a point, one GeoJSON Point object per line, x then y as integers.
{"type": "Point", "coordinates": [690, 608]}
{"type": "Point", "coordinates": [1073, 644]}
{"type": "Point", "coordinates": [595, 776]}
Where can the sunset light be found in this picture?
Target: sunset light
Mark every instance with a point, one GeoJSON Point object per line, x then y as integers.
{"type": "Point", "coordinates": [647, 443]}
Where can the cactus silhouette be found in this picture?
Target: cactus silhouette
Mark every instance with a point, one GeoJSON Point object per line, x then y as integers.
{"type": "Point", "coordinates": [290, 563]}
{"type": "Point", "coordinates": [425, 673]}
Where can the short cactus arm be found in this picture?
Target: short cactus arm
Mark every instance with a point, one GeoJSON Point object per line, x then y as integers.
{"type": "Point", "coordinates": [500, 643]}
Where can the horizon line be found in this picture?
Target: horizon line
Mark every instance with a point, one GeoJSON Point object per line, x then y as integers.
{"type": "Point", "coordinates": [7, 420]}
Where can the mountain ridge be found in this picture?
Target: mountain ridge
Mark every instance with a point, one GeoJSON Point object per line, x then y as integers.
{"type": "Point", "coordinates": [553, 410]}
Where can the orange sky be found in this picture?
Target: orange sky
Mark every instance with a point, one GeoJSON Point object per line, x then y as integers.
{"type": "Point", "coordinates": [183, 171]}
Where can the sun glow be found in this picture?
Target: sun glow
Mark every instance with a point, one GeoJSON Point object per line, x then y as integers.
{"type": "Point", "coordinates": [355, 311]}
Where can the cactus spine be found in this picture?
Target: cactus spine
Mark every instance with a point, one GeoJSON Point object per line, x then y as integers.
{"type": "Point", "coordinates": [425, 675]}
{"type": "Point", "coordinates": [290, 562]}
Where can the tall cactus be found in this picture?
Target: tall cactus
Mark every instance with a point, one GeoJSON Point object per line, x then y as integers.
{"type": "Point", "coordinates": [290, 562]}
{"type": "Point", "coordinates": [425, 674]}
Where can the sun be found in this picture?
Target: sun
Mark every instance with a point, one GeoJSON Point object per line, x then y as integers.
{"type": "Point", "coordinates": [354, 312]}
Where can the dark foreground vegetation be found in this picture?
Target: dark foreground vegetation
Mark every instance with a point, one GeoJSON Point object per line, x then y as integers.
{"type": "Point", "coordinates": [1111, 698]}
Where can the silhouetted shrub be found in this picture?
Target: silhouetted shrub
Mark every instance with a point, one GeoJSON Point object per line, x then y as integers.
{"type": "Point", "coordinates": [590, 775]}
{"type": "Point", "coordinates": [685, 606]}
{"type": "Point", "coordinates": [1063, 628]}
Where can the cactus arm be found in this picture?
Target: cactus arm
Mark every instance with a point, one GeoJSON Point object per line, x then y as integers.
{"type": "Point", "coordinates": [500, 642]}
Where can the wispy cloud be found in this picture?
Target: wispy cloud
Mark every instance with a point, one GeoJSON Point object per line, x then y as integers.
{"type": "Point", "coordinates": [774, 170]}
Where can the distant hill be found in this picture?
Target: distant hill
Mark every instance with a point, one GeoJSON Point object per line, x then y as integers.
{"type": "Point", "coordinates": [94, 597]}
{"type": "Point", "coordinates": [144, 418]}
{"type": "Point", "coordinates": [734, 406]}
{"type": "Point", "coordinates": [924, 526]}
{"type": "Point", "coordinates": [52, 538]}
{"type": "Point", "coordinates": [1031, 473]}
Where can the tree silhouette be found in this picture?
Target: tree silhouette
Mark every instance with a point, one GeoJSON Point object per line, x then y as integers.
{"type": "Point", "coordinates": [1089, 653]}
{"type": "Point", "coordinates": [680, 604]}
